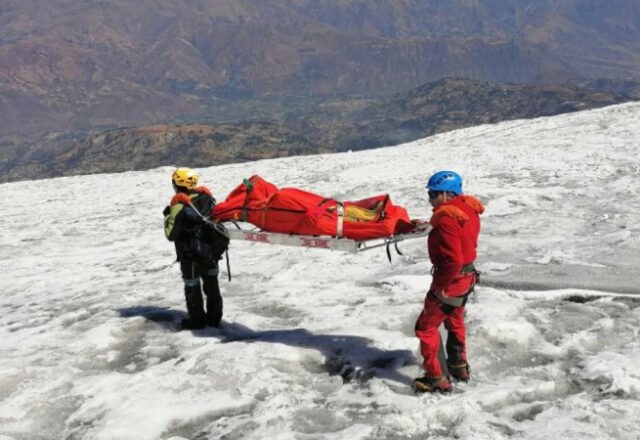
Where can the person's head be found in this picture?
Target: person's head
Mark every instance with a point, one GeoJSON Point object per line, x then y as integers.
{"type": "Point", "coordinates": [184, 179]}
{"type": "Point", "coordinates": [444, 186]}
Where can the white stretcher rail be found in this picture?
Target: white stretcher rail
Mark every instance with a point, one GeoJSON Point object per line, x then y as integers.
{"type": "Point", "coordinates": [323, 242]}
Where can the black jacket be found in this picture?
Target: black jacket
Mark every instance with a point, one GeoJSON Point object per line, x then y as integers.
{"type": "Point", "coordinates": [181, 220]}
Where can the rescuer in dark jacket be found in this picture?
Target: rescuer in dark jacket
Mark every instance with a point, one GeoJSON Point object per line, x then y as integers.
{"type": "Point", "coordinates": [189, 209]}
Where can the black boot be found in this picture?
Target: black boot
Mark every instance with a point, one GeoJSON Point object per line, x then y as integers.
{"type": "Point", "coordinates": [188, 324]}
{"type": "Point", "coordinates": [214, 301]}
{"type": "Point", "coordinates": [195, 308]}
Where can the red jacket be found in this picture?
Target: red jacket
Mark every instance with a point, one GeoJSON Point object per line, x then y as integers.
{"type": "Point", "coordinates": [452, 244]}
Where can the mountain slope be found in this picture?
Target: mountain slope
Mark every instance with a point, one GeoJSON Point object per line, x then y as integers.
{"type": "Point", "coordinates": [450, 104]}
{"type": "Point", "coordinates": [152, 146]}
{"type": "Point", "coordinates": [294, 127]}
{"type": "Point", "coordinates": [70, 65]}
{"type": "Point", "coordinates": [321, 344]}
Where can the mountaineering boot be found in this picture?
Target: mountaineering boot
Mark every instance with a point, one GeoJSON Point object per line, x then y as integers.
{"type": "Point", "coordinates": [214, 301]}
{"type": "Point", "coordinates": [432, 384]}
{"type": "Point", "coordinates": [461, 371]}
{"type": "Point", "coordinates": [214, 311]}
{"type": "Point", "coordinates": [188, 324]}
{"type": "Point", "coordinates": [195, 308]}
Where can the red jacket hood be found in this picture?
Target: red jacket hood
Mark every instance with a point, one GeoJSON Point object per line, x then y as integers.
{"type": "Point", "coordinates": [180, 198]}
{"type": "Point", "coordinates": [185, 198]}
{"type": "Point", "coordinates": [449, 209]}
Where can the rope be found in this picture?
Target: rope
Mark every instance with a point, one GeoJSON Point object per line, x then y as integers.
{"type": "Point", "coordinates": [249, 186]}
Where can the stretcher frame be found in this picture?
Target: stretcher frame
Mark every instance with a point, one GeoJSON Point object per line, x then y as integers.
{"type": "Point", "coordinates": [257, 235]}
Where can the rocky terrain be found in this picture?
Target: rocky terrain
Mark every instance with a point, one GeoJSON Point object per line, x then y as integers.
{"type": "Point", "coordinates": [69, 65]}
{"type": "Point", "coordinates": [151, 146]}
{"type": "Point", "coordinates": [76, 78]}
{"type": "Point", "coordinates": [295, 128]}
{"type": "Point", "coordinates": [449, 104]}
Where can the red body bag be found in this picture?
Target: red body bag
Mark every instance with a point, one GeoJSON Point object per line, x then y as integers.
{"type": "Point", "coordinates": [294, 211]}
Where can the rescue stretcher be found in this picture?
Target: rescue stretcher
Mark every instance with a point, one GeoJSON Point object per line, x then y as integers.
{"type": "Point", "coordinates": [294, 217]}
{"type": "Point", "coordinates": [247, 232]}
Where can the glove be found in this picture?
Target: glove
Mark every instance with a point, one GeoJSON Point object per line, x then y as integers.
{"type": "Point", "coordinates": [418, 225]}
{"type": "Point", "coordinates": [166, 210]}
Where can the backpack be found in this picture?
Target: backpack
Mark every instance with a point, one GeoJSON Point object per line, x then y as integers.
{"type": "Point", "coordinates": [209, 241]}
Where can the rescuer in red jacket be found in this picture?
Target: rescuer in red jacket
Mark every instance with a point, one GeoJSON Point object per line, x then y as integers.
{"type": "Point", "coordinates": [452, 249]}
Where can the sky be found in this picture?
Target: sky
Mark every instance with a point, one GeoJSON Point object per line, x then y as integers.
{"type": "Point", "coordinates": [318, 344]}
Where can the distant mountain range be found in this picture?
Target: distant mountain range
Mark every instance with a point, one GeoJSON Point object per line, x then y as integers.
{"type": "Point", "coordinates": [294, 129]}
{"type": "Point", "coordinates": [333, 74]}
{"type": "Point", "coordinates": [69, 65]}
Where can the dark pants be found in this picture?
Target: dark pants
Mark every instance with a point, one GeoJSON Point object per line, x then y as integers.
{"type": "Point", "coordinates": [192, 272]}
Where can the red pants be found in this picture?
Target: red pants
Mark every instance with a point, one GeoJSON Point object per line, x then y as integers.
{"type": "Point", "coordinates": [434, 314]}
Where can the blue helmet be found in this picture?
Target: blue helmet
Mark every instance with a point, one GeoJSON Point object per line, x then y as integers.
{"type": "Point", "coordinates": [446, 181]}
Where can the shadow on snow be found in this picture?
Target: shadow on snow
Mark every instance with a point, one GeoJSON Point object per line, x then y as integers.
{"type": "Point", "coordinates": [351, 357]}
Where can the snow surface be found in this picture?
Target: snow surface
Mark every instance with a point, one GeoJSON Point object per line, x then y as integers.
{"type": "Point", "coordinates": [319, 344]}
